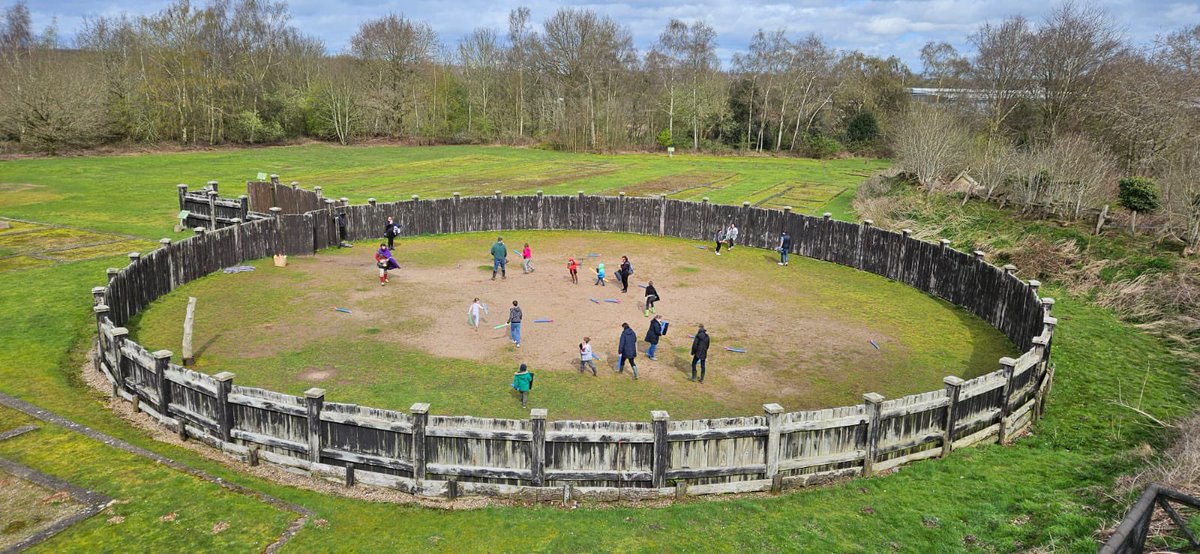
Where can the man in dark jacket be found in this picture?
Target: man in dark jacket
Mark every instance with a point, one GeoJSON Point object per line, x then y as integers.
{"type": "Point", "coordinates": [699, 353]}
{"type": "Point", "coordinates": [514, 324]}
{"type": "Point", "coordinates": [652, 335]}
{"type": "Point", "coordinates": [340, 220]}
{"type": "Point", "coordinates": [627, 349]}
{"type": "Point", "coordinates": [391, 231]}
{"type": "Point", "coordinates": [499, 258]}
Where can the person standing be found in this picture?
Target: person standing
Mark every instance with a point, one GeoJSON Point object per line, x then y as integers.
{"type": "Point", "coordinates": [573, 267]}
{"type": "Point", "coordinates": [719, 238]}
{"type": "Point", "coordinates": [731, 234]}
{"type": "Point", "coordinates": [523, 382]}
{"type": "Point", "coordinates": [514, 324]}
{"type": "Point", "coordinates": [623, 273]}
{"type": "Point", "coordinates": [699, 353]}
{"type": "Point", "coordinates": [627, 350]}
{"type": "Point", "coordinates": [391, 231]}
{"type": "Point", "coordinates": [473, 314]}
{"type": "Point", "coordinates": [600, 276]}
{"type": "Point", "coordinates": [651, 298]}
{"type": "Point", "coordinates": [586, 356]}
{"type": "Point", "coordinates": [340, 219]}
{"type": "Point", "coordinates": [785, 247]}
{"type": "Point", "coordinates": [499, 258]}
{"type": "Point", "coordinates": [527, 257]}
{"type": "Point", "coordinates": [384, 261]}
{"type": "Point", "coordinates": [655, 331]}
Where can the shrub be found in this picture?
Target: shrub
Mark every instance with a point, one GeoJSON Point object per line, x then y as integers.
{"type": "Point", "coordinates": [664, 138]}
{"type": "Point", "coordinates": [1138, 194]}
{"type": "Point", "coordinates": [248, 127]}
{"type": "Point", "coordinates": [821, 146]}
{"type": "Point", "coordinates": [863, 128]}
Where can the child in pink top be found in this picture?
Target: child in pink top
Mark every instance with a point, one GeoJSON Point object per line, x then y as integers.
{"type": "Point", "coordinates": [527, 255]}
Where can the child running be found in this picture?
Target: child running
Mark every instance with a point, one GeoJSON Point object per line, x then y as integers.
{"type": "Point", "coordinates": [523, 382]}
{"type": "Point", "coordinates": [527, 255]}
{"type": "Point", "coordinates": [384, 261]}
{"type": "Point", "coordinates": [586, 356]}
{"type": "Point", "coordinates": [573, 267]}
{"type": "Point", "coordinates": [600, 276]}
{"type": "Point", "coordinates": [473, 314]}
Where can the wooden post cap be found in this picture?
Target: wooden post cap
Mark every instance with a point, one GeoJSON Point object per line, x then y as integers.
{"type": "Point", "coordinates": [979, 254]}
{"type": "Point", "coordinates": [1034, 283]}
{"type": "Point", "coordinates": [314, 393]}
{"type": "Point", "coordinates": [705, 199]}
{"type": "Point", "coordinates": [1008, 362]}
{"type": "Point", "coordinates": [181, 186]}
{"type": "Point", "coordinates": [1047, 301]}
{"type": "Point", "coordinates": [868, 222]}
{"type": "Point", "coordinates": [198, 230]}
{"type": "Point", "coordinates": [906, 232]}
{"type": "Point", "coordinates": [236, 221]}
{"type": "Point", "coordinates": [787, 208]}
{"type": "Point", "coordinates": [119, 331]}
{"type": "Point", "coordinates": [873, 397]}
{"type": "Point", "coordinates": [1010, 268]}
{"type": "Point", "coordinates": [416, 197]}
{"type": "Point", "coordinates": [659, 415]}
{"type": "Point", "coordinates": [164, 241]}
{"type": "Point", "coordinates": [371, 201]}
{"type": "Point", "coordinates": [745, 203]}
{"type": "Point", "coordinates": [97, 290]}
{"type": "Point", "coordinates": [457, 195]}
{"type": "Point", "coordinates": [621, 194]}
{"type": "Point", "coordinates": [773, 408]}
{"type": "Point", "coordinates": [100, 308]}
{"type": "Point", "coordinates": [944, 242]}
{"type": "Point", "coordinates": [344, 199]}
{"type": "Point", "coordinates": [537, 413]}
{"type": "Point", "coordinates": [1051, 321]}
{"type": "Point", "coordinates": [419, 408]}
{"type": "Point", "coordinates": [953, 381]}
{"type": "Point", "coordinates": [275, 209]}
{"type": "Point", "coordinates": [539, 193]}
{"type": "Point", "coordinates": [224, 376]}
{"type": "Point", "coordinates": [828, 215]}
{"type": "Point", "coordinates": [162, 354]}
{"type": "Point", "coordinates": [1039, 341]}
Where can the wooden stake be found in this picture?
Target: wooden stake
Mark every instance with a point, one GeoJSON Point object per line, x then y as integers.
{"type": "Point", "coordinates": [188, 319]}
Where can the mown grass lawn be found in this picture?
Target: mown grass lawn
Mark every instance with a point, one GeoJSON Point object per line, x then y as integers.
{"type": "Point", "coordinates": [1047, 490]}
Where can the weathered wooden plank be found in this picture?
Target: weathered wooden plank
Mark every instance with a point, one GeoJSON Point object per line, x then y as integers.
{"type": "Point", "coordinates": [915, 408]}
{"type": "Point", "coordinates": [819, 425]}
{"type": "Point", "coordinates": [911, 442]}
{"type": "Point", "coordinates": [481, 434]}
{"type": "Point", "coordinates": [479, 471]}
{"type": "Point", "coordinates": [839, 458]}
{"type": "Point", "coordinates": [699, 473]}
{"type": "Point", "coordinates": [598, 475]}
{"type": "Point", "coordinates": [908, 458]}
{"type": "Point", "coordinates": [269, 441]}
{"type": "Point", "coordinates": [978, 436]}
{"type": "Point", "coordinates": [188, 413]}
{"type": "Point", "coordinates": [363, 421]}
{"type": "Point", "coordinates": [262, 404]}
{"type": "Point", "coordinates": [599, 437]}
{"type": "Point", "coordinates": [366, 459]}
{"type": "Point", "coordinates": [733, 433]}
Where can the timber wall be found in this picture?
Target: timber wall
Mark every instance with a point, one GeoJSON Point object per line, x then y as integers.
{"type": "Point", "coordinates": [439, 455]}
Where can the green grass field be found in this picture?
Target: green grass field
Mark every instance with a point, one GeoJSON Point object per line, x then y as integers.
{"type": "Point", "coordinates": [1047, 492]}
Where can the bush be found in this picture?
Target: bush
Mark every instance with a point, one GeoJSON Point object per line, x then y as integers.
{"type": "Point", "coordinates": [248, 127]}
{"type": "Point", "coordinates": [1138, 195]}
{"type": "Point", "coordinates": [862, 128]}
{"type": "Point", "coordinates": [821, 146]}
{"type": "Point", "coordinates": [664, 138]}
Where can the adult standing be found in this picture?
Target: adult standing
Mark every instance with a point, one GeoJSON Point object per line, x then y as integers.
{"type": "Point", "coordinates": [514, 324]}
{"type": "Point", "coordinates": [586, 356]}
{"type": "Point", "coordinates": [731, 234]}
{"type": "Point", "coordinates": [785, 247]}
{"type": "Point", "coordinates": [623, 273]}
{"type": "Point", "coordinates": [391, 231]}
{"type": "Point", "coordinates": [651, 297]}
{"type": "Point", "coordinates": [339, 218]}
{"type": "Point", "coordinates": [499, 258]}
{"type": "Point", "coordinates": [523, 382]}
{"type": "Point", "coordinates": [699, 353]}
{"type": "Point", "coordinates": [627, 350]}
{"type": "Point", "coordinates": [719, 238]}
{"type": "Point", "coordinates": [652, 335]}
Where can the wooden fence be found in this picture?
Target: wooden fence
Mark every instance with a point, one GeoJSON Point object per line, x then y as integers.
{"type": "Point", "coordinates": [539, 458]}
{"type": "Point", "coordinates": [207, 209]}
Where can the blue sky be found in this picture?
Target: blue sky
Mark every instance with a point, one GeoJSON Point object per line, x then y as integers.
{"type": "Point", "coordinates": [897, 27]}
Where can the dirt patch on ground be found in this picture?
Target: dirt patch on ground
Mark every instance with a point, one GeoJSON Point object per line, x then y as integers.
{"type": "Point", "coordinates": [672, 184]}
{"type": "Point", "coordinates": [29, 509]}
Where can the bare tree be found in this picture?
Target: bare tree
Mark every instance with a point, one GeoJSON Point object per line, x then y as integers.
{"type": "Point", "coordinates": [990, 161]}
{"type": "Point", "coordinates": [393, 49]}
{"type": "Point", "coordinates": [1001, 68]}
{"type": "Point", "coordinates": [943, 65]}
{"type": "Point", "coordinates": [930, 142]}
{"type": "Point", "coordinates": [481, 59]}
{"type": "Point", "coordinates": [1069, 51]}
{"type": "Point", "coordinates": [1082, 174]}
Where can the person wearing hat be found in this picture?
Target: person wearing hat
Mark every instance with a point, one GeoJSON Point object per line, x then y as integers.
{"type": "Point", "coordinates": [627, 349]}
{"type": "Point", "coordinates": [699, 353]}
{"type": "Point", "coordinates": [523, 383]}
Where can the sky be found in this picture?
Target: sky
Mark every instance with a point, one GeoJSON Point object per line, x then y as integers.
{"type": "Point", "coordinates": [882, 28]}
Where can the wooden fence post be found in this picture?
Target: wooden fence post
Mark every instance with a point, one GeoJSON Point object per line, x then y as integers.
{"type": "Point", "coordinates": [1034, 284]}
{"type": "Point", "coordinates": [872, 402]}
{"type": "Point", "coordinates": [420, 415]}
{"type": "Point", "coordinates": [224, 412]}
{"type": "Point", "coordinates": [212, 186]}
{"type": "Point", "coordinates": [862, 235]}
{"type": "Point", "coordinates": [182, 189]}
{"type": "Point", "coordinates": [318, 191]}
{"type": "Point", "coordinates": [1008, 366]}
{"type": "Point", "coordinates": [134, 257]}
{"type": "Point", "coordinates": [98, 296]}
{"type": "Point", "coordinates": [1047, 306]}
{"type": "Point", "coordinates": [826, 235]}
{"type": "Point", "coordinates": [101, 311]}
{"type": "Point", "coordinates": [622, 210]}
{"type": "Point", "coordinates": [161, 359]}
{"type": "Point", "coordinates": [1009, 269]}
{"type": "Point", "coordinates": [455, 217]}
{"type": "Point", "coordinates": [314, 401]}
{"type": "Point", "coordinates": [1039, 377]}
{"type": "Point", "coordinates": [662, 215]}
{"type": "Point", "coordinates": [979, 254]}
{"type": "Point", "coordinates": [773, 413]}
{"type": "Point", "coordinates": [245, 202]}
{"type": "Point", "coordinates": [953, 391]}
{"type": "Point", "coordinates": [212, 209]}
{"type": "Point", "coordinates": [371, 202]}
{"type": "Point", "coordinates": [540, 215]}
{"type": "Point", "coordinates": [119, 334]}
{"type": "Point", "coordinates": [662, 448]}
{"type": "Point", "coordinates": [580, 217]}
{"type": "Point", "coordinates": [1048, 324]}
{"type": "Point", "coordinates": [111, 273]}
{"type": "Point", "coordinates": [537, 452]}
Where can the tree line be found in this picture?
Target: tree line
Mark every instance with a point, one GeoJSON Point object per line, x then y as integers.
{"type": "Point", "coordinates": [239, 71]}
{"type": "Point", "coordinates": [1062, 116]}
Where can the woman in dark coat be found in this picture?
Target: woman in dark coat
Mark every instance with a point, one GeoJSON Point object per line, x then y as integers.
{"type": "Point", "coordinates": [624, 272]}
{"type": "Point", "coordinates": [391, 231]}
{"type": "Point", "coordinates": [652, 335]}
{"type": "Point", "coordinates": [651, 298]}
{"type": "Point", "coordinates": [627, 349]}
{"type": "Point", "coordinates": [699, 353]}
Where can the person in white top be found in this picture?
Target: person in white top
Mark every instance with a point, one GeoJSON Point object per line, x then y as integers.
{"type": "Point", "coordinates": [731, 235]}
{"type": "Point", "coordinates": [586, 356]}
{"type": "Point", "coordinates": [473, 314]}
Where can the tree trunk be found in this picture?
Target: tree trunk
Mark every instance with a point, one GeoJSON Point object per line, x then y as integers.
{"type": "Point", "coordinates": [1133, 223]}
